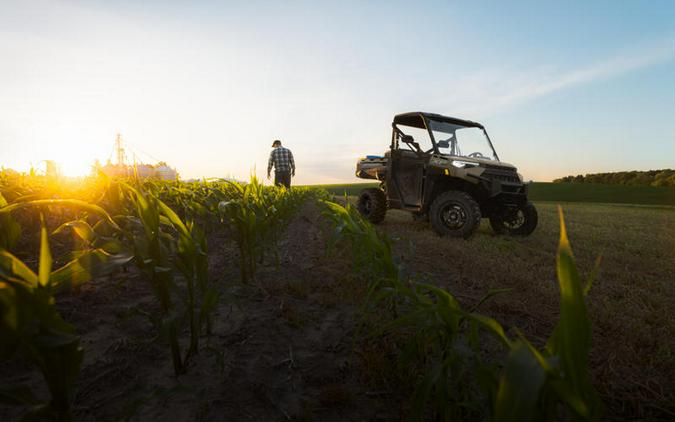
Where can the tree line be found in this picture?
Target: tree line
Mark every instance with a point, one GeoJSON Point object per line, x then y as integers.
{"type": "Point", "coordinates": [665, 177]}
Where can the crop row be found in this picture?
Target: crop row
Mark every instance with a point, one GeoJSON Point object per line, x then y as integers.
{"type": "Point", "coordinates": [158, 227]}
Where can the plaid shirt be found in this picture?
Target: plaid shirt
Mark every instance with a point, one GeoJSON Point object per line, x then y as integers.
{"type": "Point", "coordinates": [282, 160]}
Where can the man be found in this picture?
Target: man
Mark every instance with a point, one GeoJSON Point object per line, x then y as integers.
{"type": "Point", "coordinates": [284, 166]}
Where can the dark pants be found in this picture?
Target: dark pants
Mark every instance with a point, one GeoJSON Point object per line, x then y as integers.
{"type": "Point", "coordinates": [282, 178]}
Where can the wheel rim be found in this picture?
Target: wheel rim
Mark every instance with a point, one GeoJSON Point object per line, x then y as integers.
{"type": "Point", "coordinates": [515, 220]}
{"type": "Point", "coordinates": [454, 216]}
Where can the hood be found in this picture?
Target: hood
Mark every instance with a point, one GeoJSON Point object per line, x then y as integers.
{"type": "Point", "coordinates": [480, 161]}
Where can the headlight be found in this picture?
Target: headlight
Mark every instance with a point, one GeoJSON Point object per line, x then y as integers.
{"type": "Point", "coordinates": [463, 164]}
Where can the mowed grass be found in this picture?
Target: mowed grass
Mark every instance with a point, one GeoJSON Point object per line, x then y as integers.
{"type": "Point", "coordinates": [564, 192]}
{"type": "Point", "coordinates": [631, 303]}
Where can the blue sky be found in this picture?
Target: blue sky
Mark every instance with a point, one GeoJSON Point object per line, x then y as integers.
{"type": "Point", "coordinates": [562, 87]}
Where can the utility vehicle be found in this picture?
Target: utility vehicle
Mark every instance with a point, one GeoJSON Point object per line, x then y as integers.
{"type": "Point", "coordinates": [445, 170]}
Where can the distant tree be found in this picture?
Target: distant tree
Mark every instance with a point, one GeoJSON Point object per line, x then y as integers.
{"type": "Point", "coordinates": [663, 177]}
{"type": "Point", "coordinates": [670, 181]}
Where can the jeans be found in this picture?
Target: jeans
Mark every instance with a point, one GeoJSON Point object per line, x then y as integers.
{"type": "Point", "coordinates": [282, 178]}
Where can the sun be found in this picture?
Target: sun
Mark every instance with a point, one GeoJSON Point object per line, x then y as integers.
{"type": "Point", "coordinates": [75, 169]}
{"type": "Point", "coordinates": [74, 165]}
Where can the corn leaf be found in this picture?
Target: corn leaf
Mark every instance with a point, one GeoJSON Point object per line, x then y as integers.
{"type": "Point", "coordinates": [571, 339]}
{"type": "Point", "coordinates": [76, 203]}
{"type": "Point", "coordinates": [12, 266]}
{"type": "Point", "coordinates": [45, 266]}
{"type": "Point", "coordinates": [92, 263]}
{"type": "Point", "coordinates": [519, 387]}
{"type": "Point", "coordinates": [80, 227]}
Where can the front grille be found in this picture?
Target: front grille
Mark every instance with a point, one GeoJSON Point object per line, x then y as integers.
{"type": "Point", "coordinates": [502, 174]}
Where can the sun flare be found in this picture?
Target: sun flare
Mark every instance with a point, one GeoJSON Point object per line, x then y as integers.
{"type": "Point", "coordinates": [71, 164]}
{"type": "Point", "coordinates": [75, 168]}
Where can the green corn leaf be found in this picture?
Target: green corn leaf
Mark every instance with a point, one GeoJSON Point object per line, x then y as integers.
{"type": "Point", "coordinates": [92, 263]}
{"type": "Point", "coordinates": [12, 266]}
{"type": "Point", "coordinates": [571, 339]}
{"type": "Point", "coordinates": [45, 266]}
{"type": "Point", "coordinates": [442, 295]}
{"type": "Point", "coordinates": [174, 218]}
{"type": "Point", "coordinates": [10, 230]}
{"type": "Point", "coordinates": [491, 326]}
{"type": "Point", "coordinates": [519, 387]}
{"type": "Point", "coordinates": [593, 275]}
{"type": "Point", "coordinates": [81, 228]}
{"type": "Point", "coordinates": [423, 391]}
{"type": "Point", "coordinates": [9, 312]}
{"type": "Point", "coordinates": [490, 294]}
{"type": "Point", "coordinates": [570, 396]}
{"type": "Point", "coordinates": [75, 203]}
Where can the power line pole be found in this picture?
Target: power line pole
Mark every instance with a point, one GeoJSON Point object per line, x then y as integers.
{"type": "Point", "coordinates": [119, 150]}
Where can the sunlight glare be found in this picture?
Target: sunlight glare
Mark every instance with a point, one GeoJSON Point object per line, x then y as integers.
{"type": "Point", "coordinates": [74, 168]}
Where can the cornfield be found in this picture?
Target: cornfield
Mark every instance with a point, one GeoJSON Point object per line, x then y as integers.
{"type": "Point", "coordinates": [109, 225]}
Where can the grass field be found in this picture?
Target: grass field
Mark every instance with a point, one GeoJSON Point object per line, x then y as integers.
{"type": "Point", "coordinates": [631, 303]}
{"type": "Point", "coordinates": [565, 192]}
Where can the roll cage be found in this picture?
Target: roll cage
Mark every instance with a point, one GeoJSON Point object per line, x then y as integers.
{"type": "Point", "coordinates": [421, 120]}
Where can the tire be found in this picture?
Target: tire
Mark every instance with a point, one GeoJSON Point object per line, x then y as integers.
{"type": "Point", "coordinates": [455, 214]}
{"type": "Point", "coordinates": [372, 205]}
{"type": "Point", "coordinates": [521, 223]}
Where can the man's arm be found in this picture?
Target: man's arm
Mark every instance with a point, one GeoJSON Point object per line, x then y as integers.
{"type": "Point", "coordinates": [290, 158]}
{"type": "Point", "coordinates": [270, 162]}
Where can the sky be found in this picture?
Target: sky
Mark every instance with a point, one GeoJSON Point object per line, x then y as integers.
{"type": "Point", "coordinates": [562, 87]}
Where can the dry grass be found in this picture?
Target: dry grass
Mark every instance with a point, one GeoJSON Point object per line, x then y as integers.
{"type": "Point", "coordinates": [631, 304]}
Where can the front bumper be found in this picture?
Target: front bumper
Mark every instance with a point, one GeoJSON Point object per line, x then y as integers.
{"type": "Point", "coordinates": [506, 192]}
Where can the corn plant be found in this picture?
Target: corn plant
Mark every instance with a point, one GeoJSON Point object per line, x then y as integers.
{"type": "Point", "coordinates": [97, 255]}
{"type": "Point", "coordinates": [192, 262]}
{"type": "Point", "coordinates": [154, 251]}
{"type": "Point", "coordinates": [534, 382]}
{"type": "Point", "coordinates": [10, 230]}
{"type": "Point", "coordinates": [255, 217]}
{"type": "Point", "coordinates": [31, 328]}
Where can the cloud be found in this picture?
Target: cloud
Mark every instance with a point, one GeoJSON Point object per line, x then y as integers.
{"type": "Point", "coordinates": [492, 90]}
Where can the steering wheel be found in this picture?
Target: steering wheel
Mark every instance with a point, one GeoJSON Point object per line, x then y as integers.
{"type": "Point", "coordinates": [476, 154]}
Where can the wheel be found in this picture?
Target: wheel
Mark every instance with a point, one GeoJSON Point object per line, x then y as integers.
{"type": "Point", "coordinates": [372, 204]}
{"type": "Point", "coordinates": [455, 214]}
{"type": "Point", "coordinates": [520, 222]}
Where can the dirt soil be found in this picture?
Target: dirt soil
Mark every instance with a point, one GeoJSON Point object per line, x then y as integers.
{"type": "Point", "coordinates": [284, 348]}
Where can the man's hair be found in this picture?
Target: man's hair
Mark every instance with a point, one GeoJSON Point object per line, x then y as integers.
{"type": "Point", "coordinates": [276, 143]}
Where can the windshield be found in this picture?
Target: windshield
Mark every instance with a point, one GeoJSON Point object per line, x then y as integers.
{"type": "Point", "coordinates": [462, 141]}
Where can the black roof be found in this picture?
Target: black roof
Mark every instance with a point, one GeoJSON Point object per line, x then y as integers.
{"type": "Point", "coordinates": [415, 119]}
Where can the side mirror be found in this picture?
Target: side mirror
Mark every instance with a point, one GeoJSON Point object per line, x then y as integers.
{"type": "Point", "coordinates": [443, 144]}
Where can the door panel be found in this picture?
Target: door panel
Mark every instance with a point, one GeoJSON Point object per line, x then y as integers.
{"type": "Point", "coordinates": [407, 177]}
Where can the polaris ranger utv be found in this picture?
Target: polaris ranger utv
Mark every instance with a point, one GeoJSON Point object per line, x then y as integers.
{"type": "Point", "coordinates": [446, 170]}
